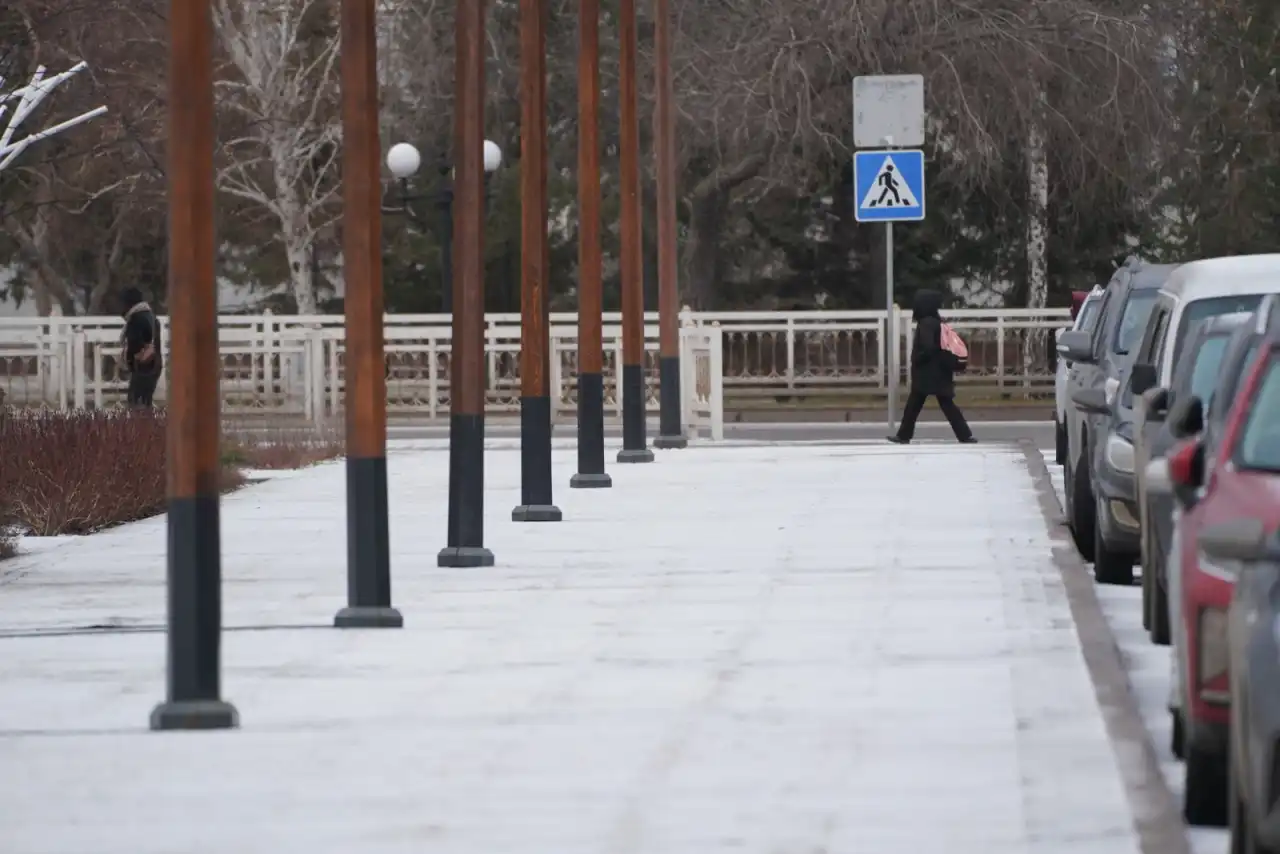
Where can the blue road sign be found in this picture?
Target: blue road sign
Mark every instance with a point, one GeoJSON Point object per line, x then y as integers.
{"type": "Point", "coordinates": [889, 186]}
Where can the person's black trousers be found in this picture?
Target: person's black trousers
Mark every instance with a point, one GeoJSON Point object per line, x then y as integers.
{"type": "Point", "coordinates": [947, 403]}
{"type": "Point", "coordinates": [142, 389]}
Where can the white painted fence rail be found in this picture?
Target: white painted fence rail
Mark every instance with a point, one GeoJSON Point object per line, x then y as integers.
{"type": "Point", "coordinates": [293, 365]}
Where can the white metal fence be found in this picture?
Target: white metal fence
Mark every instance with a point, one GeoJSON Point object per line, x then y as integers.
{"type": "Point", "coordinates": [294, 365]}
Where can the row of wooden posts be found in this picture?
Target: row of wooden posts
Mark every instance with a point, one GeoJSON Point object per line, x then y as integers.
{"type": "Point", "coordinates": [193, 698]}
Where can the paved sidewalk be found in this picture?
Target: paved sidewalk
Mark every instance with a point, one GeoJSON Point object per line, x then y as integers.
{"type": "Point", "coordinates": [854, 650]}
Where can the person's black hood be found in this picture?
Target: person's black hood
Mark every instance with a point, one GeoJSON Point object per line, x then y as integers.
{"type": "Point", "coordinates": [926, 304]}
{"type": "Point", "coordinates": [129, 297]}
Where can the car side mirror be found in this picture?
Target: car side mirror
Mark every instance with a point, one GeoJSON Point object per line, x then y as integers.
{"type": "Point", "coordinates": [1142, 378]}
{"type": "Point", "coordinates": [1156, 404]}
{"type": "Point", "coordinates": [1242, 539]}
{"type": "Point", "coordinates": [1187, 418]}
{"type": "Point", "coordinates": [1077, 346]}
{"type": "Point", "coordinates": [1091, 400]}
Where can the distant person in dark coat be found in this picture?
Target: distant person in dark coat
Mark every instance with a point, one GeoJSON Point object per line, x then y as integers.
{"type": "Point", "coordinates": [140, 348]}
{"type": "Point", "coordinates": [932, 372]}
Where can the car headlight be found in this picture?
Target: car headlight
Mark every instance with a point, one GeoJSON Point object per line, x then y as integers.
{"type": "Point", "coordinates": [1109, 389]}
{"type": "Point", "coordinates": [1120, 454]}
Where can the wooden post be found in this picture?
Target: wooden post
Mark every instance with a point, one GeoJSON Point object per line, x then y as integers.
{"type": "Point", "coordinates": [193, 690]}
{"type": "Point", "coordinates": [670, 429]}
{"type": "Point", "coordinates": [591, 473]}
{"type": "Point", "coordinates": [368, 537]}
{"type": "Point", "coordinates": [467, 365]}
{"type": "Point", "coordinates": [634, 443]}
{"type": "Point", "coordinates": [536, 504]}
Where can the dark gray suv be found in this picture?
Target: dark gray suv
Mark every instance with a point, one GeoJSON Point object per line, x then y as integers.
{"type": "Point", "coordinates": [1098, 478]}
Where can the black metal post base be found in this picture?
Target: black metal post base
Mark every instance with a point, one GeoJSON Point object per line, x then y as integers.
{"type": "Point", "coordinates": [670, 430]}
{"type": "Point", "coordinates": [193, 695]}
{"type": "Point", "coordinates": [634, 443]}
{"type": "Point", "coordinates": [536, 513]}
{"type": "Point", "coordinates": [194, 715]}
{"type": "Point", "coordinates": [591, 474]}
{"type": "Point", "coordinates": [536, 503]}
{"type": "Point", "coordinates": [638, 455]}
{"type": "Point", "coordinates": [466, 495]}
{"type": "Point", "coordinates": [368, 549]}
{"type": "Point", "coordinates": [464, 557]}
{"type": "Point", "coordinates": [372, 617]}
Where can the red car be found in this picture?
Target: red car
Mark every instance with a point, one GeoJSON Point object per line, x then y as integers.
{"type": "Point", "coordinates": [1214, 482]}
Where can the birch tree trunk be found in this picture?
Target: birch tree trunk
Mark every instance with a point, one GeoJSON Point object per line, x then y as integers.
{"type": "Point", "coordinates": [1037, 161]}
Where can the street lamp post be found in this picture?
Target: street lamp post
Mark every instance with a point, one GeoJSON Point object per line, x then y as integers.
{"type": "Point", "coordinates": [536, 504]}
{"type": "Point", "coordinates": [475, 157]}
{"type": "Point", "coordinates": [404, 161]}
{"type": "Point", "coordinates": [634, 442]}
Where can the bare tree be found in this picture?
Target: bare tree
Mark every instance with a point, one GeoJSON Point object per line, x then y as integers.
{"type": "Point", "coordinates": [283, 96]}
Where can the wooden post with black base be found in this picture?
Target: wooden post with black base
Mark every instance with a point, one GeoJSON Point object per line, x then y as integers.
{"type": "Point", "coordinates": [467, 364]}
{"type": "Point", "coordinates": [368, 537]}
{"type": "Point", "coordinates": [536, 503]}
{"type": "Point", "coordinates": [591, 473]}
{"type": "Point", "coordinates": [193, 691]}
{"type": "Point", "coordinates": [670, 429]}
{"type": "Point", "coordinates": [634, 442]}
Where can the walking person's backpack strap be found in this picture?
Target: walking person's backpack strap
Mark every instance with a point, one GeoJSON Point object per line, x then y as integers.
{"type": "Point", "coordinates": [954, 345]}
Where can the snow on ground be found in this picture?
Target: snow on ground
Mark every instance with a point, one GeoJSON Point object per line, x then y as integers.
{"type": "Point", "coordinates": [856, 650]}
{"type": "Point", "coordinates": [1148, 667]}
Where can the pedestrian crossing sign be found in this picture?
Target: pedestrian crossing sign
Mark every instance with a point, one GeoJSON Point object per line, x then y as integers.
{"type": "Point", "coordinates": [888, 186]}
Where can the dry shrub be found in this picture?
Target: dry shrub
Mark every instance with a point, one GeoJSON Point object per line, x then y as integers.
{"type": "Point", "coordinates": [79, 472]}
{"type": "Point", "coordinates": [279, 447]}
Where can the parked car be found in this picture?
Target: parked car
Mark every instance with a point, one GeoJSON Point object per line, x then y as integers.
{"type": "Point", "coordinates": [1235, 482]}
{"type": "Point", "coordinates": [1197, 375]}
{"type": "Point", "coordinates": [1098, 476]}
{"type": "Point", "coordinates": [1253, 663]}
{"type": "Point", "coordinates": [1084, 313]}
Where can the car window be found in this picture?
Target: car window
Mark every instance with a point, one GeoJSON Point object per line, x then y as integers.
{"type": "Point", "coordinates": [1088, 315]}
{"type": "Point", "coordinates": [1229, 382]}
{"type": "Point", "coordinates": [1201, 310]}
{"type": "Point", "coordinates": [1207, 367]}
{"type": "Point", "coordinates": [1133, 320]}
{"type": "Point", "coordinates": [1259, 446]}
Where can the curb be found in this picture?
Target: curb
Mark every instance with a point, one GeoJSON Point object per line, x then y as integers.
{"type": "Point", "coordinates": [1156, 816]}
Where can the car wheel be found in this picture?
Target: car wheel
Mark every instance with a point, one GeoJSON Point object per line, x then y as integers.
{"type": "Point", "coordinates": [1083, 521]}
{"type": "Point", "coordinates": [1109, 567]}
{"type": "Point", "coordinates": [1160, 627]}
{"type": "Point", "coordinates": [1177, 744]}
{"type": "Point", "coordinates": [1060, 435]}
{"type": "Point", "coordinates": [1205, 798]}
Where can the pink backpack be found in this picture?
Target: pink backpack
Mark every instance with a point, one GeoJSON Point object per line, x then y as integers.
{"type": "Point", "coordinates": [954, 344]}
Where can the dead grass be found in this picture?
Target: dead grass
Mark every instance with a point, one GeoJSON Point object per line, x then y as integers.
{"type": "Point", "coordinates": [277, 446]}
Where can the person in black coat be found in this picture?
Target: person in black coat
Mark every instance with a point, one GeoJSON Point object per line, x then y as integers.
{"type": "Point", "coordinates": [932, 372]}
{"type": "Point", "coordinates": [140, 348]}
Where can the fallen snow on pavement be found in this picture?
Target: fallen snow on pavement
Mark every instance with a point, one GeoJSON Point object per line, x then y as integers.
{"type": "Point", "coordinates": [853, 650]}
{"type": "Point", "coordinates": [1148, 667]}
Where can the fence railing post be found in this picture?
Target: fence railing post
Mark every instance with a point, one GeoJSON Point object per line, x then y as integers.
{"type": "Point", "coordinates": [715, 338]}
{"type": "Point", "coordinates": [1000, 378]}
{"type": "Point", "coordinates": [77, 367]}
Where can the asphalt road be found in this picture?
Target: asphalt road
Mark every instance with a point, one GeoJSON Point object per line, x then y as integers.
{"type": "Point", "coordinates": [986, 431]}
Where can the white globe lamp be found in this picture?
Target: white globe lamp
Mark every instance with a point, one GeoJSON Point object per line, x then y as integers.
{"type": "Point", "coordinates": [492, 156]}
{"type": "Point", "coordinates": [403, 160]}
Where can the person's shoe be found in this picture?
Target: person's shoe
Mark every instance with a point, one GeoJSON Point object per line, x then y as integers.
{"type": "Point", "coordinates": [898, 440]}
{"type": "Point", "coordinates": [972, 440]}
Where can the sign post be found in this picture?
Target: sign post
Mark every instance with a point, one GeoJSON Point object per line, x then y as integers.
{"type": "Point", "coordinates": [888, 110]}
